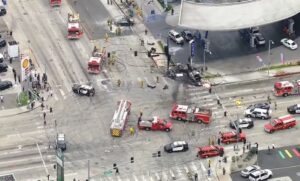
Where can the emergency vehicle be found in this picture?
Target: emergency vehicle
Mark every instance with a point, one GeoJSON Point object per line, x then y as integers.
{"type": "Point", "coordinates": [192, 114]}
{"type": "Point", "coordinates": [210, 151]}
{"type": "Point", "coordinates": [96, 61]}
{"type": "Point", "coordinates": [74, 28]}
{"type": "Point", "coordinates": [284, 122]}
{"type": "Point", "coordinates": [55, 3]}
{"type": "Point", "coordinates": [120, 118]}
{"type": "Point", "coordinates": [155, 124]}
{"type": "Point", "coordinates": [286, 88]}
{"type": "Point", "coordinates": [232, 137]}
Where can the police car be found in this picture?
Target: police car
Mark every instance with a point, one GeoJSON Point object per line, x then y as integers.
{"type": "Point", "coordinates": [260, 175]}
{"type": "Point", "coordinates": [83, 90]}
{"type": "Point", "coordinates": [241, 123]}
{"type": "Point", "coordinates": [294, 109]}
{"type": "Point", "coordinates": [176, 146]}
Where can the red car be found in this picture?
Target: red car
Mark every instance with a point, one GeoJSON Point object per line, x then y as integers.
{"type": "Point", "coordinates": [210, 151]}
{"type": "Point", "coordinates": [232, 137]}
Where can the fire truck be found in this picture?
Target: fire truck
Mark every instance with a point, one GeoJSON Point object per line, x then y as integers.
{"type": "Point", "coordinates": [155, 124]}
{"type": "Point", "coordinates": [55, 3]}
{"type": "Point", "coordinates": [284, 122]}
{"type": "Point", "coordinates": [232, 137]}
{"type": "Point", "coordinates": [74, 28]}
{"type": "Point", "coordinates": [120, 118]}
{"type": "Point", "coordinates": [191, 114]}
{"type": "Point", "coordinates": [96, 61]}
{"type": "Point", "coordinates": [286, 88]}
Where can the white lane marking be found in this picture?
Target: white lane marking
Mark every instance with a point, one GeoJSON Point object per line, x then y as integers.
{"type": "Point", "coordinates": [62, 93]}
{"type": "Point", "coordinates": [202, 167]}
{"type": "Point", "coordinates": [194, 167]}
{"type": "Point", "coordinates": [55, 97]}
{"type": "Point", "coordinates": [135, 178]}
{"type": "Point", "coordinates": [71, 174]}
{"type": "Point", "coordinates": [40, 127]}
{"type": "Point", "coordinates": [179, 172]}
{"type": "Point", "coordinates": [46, 169]}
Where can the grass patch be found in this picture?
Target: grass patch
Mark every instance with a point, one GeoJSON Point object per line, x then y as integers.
{"type": "Point", "coordinates": [208, 75]}
{"type": "Point", "coordinates": [168, 8]}
{"type": "Point", "coordinates": [279, 66]}
{"type": "Point", "coordinates": [23, 99]}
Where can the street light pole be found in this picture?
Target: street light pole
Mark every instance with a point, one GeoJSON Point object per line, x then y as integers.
{"type": "Point", "coordinates": [204, 52]}
{"type": "Point", "coordinates": [269, 56]}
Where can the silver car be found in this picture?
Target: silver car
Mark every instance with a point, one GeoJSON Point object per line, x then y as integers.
{"type": "Point", "coordinates": [246, 172]}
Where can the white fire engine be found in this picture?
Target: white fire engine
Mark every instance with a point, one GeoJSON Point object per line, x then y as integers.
{"type": "Point", "coordinates": [286, 88]}
{"type": "Point", "coordinates": [120, 118]}
{"type": "Point", "coordinates": [74, 28]}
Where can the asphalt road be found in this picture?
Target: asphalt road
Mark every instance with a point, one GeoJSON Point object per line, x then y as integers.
{"type": "Point", "coordinates": [281, 162]}
{"type": "Point", "coordinates": [86, 121]}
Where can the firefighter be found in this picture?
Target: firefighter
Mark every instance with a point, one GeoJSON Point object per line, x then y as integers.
{"type": "Point", "coordinates": [119, 82]}
{"type": "Point", "coordinates": [131, 130]}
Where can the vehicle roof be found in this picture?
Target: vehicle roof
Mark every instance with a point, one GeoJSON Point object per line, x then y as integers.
{"type": "Point", "coordinates": [95, 60]}
{"type": "Point", "coordinates": [86, 86]}
{"type": "Point", "coordinates": [182, 108]}
{"type": "Point", "coordinates": [261, 110]}
{"type": "Point", "coordinates": [61, 137]}
{"type": "Point", "coordinates": [1, 55]}
{"type": "Point", "coordinates": [120, 114]}
{"type": "Point", "coordinates": [73, 25]}
{"type": "Point", "coordinates": [244, 119]}
{"type": "Point", "coordinates": [286, 119]}
{"type": "Point", "coordinates": [229, 133]}
{"type": "Point", "coordinates": [283, 84]}
{"type": "Point", "coordinates": [202, 111]}
{"type": "Point", "coordinates": [179, 143]}
{"type": "Point", "coordinates": [252, 166]}
{"type": "Point", "coordinates": [173, 32]}
{"type": "Point", "coordinates": [210, 147]}
{"type": "Point", "coordinates": [290, 41]}
{"type": "Point", "coordinates": [258, 172]}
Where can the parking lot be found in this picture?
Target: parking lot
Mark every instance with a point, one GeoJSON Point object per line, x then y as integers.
{"type": "Point", "coordinates": [282, 161]}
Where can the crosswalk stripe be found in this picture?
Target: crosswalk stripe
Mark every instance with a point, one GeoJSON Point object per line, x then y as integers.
{"type": "Point", "coordinates": [288, 153]}
{"type": "Point", "coordinates": [296, 152]}
{"type": "Point", "coordinates": [202, 167]}
{"type": "Point", "coordinates": [178, 171]}
{"type": "Point", "coordinates": [281, 154]}
{"type": "Point", "coordinates": [194, 167]}
{"type": "Point", "coordinates": [135, 178]}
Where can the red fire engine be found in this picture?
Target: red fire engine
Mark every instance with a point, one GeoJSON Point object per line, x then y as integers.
{"type": "Point", "coordinates": [120, 118]}
{"type": "Point", "coordinates": [155, 124]}
{"type": "Point", "coordinates": [96, 61]}
{"type": "Point", "coordinates": [192, 114]}
{"type": "Point", "coordinates": [232, 137]}
{"type": "Point", "coordinates": [55, 3]}
{"type": "Point", "coordinates": [284, 122]}
{"type": "Point", "coordinates": [74, 28]}
{"type": "Point", "coordinates": [285, 88]}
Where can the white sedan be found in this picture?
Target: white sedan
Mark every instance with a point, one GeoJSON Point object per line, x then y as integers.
{"type": "Point", "coordinates": [289, 43]}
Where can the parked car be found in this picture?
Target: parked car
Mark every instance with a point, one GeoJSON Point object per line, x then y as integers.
{"type": "Point", "coordinates": [264, 105]}
{"type": "Point", "coordinates": [246, 172]}
{"type": "Point", "coordinates": [176, 37]}
{"type": "Point", "coordinates": [259, 39]}
{"type": "Point", "coordinates": [187, 35]}
{"type": "Point", "coordinates": [260, 175]}
{"type": "Point", "coordinates": [2, 43]}
{"type": "Point", "coordinates": [61, 142]}
{"type": "Point", "coordinates": [5, 85]}
{"type": "Point", "coordinates": [3, 67]}
{"type": "Point", "coordinates": [83, 90]}
{"type": "Point", "coordinates": [258, 113]}
{"type": "Point", "coordinates": [1, 58]}
{"type": "Point", "coordinates": [124, 21]}
{"type": "Point", "coordinates": [2, 10]}
{"type": "Point", "coordinates": [242, 123]}
{"type": "Point", "coordinates": [176, 146]}
{"type": "Point", "coordinates": [289, 43]}
{"type": "Point", "coordinates": [294, 109]}
{"type": "Point", "coordinates": [210, 151]}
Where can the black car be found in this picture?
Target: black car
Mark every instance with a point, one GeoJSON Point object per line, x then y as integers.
{"type": "Point", "coordinates": [86, 90]}
{"type": "Point", "coordinates": [176, 146]}
{"type": "Point", "coordinates": [294, 109]}
{"type": "Point", "coordinates": [2, 10]}
{"type": "Point", "coordinates": [187, 35]}
{"type": "Point", "coordinates": [260, 105]}
{"type": "Point", "coordinates": [3, 67]}
{"type": "Point", "coordinates": [5, 85]}
{"type": "Point", "coordinates": [124, 21]}
{"type": "Point", "coordinates": [2, 43]}
{"type": "Point", "coordinates": [241, 123]}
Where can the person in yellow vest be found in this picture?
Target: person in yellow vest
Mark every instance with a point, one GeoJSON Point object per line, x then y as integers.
{"type": "Point", "coordinates": [131, 130]}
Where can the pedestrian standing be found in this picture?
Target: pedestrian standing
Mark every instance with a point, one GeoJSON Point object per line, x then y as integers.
{"type": "Point", "coordinates": [51, 92]}
{"type": "Point", "coordinates": [146, 31]}
{"type": "Point", "coordinates": [117, 171]}
{"type": "Point", "coordinates": [50, 109]}
{"type": "Point", "coordinates": [196, 177]}
{"type": "Point", "coordinates": [45, 122]}
{"type": "Point", "coordinates": [275, 105]}
{"type": "Point", "coordinates": [42, 106]}
{"type": "Point", "coordinates": [224, 171]}
{"type": "Point", "coordinates": [2, 98]}
{"type": "Point", "coordinates": [55, 123]}
{"type": "Point", "coordinates": [219, 141]}
{"type": "Point", "coordinates": [44, 115]}
{"type": "Point", "coordinates": [273, 146]}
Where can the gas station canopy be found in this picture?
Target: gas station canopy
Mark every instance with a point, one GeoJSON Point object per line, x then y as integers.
{"type": "Point", "coordinates": [234, 16]}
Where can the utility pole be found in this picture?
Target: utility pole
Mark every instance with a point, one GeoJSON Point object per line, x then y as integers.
{"type": "Point", "coordinates": [269, 56]}
{"type": "Point", "coordinates": [88, 170]}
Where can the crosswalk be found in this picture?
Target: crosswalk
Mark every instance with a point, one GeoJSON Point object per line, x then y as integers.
{"type": "Point", "coordinates": [289, 153]}
{"type": "Point", "coordinates": [182, 172]}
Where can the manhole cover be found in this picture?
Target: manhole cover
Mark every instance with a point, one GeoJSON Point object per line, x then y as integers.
{"type": "Point", "coordinates": [105, 82]}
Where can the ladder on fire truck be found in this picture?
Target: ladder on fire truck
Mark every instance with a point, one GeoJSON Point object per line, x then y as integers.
{"type": "Point", "coordinates": [120, 118]}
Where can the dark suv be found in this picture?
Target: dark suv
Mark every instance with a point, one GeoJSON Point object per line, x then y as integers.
{"type": "Point", "coordinates": [2, 43]}
{"type": "Point", "coordinates": [3, 67]}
